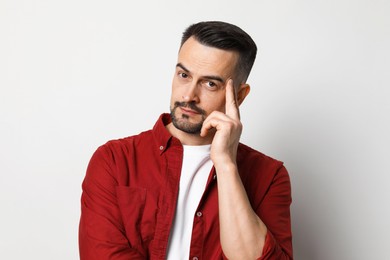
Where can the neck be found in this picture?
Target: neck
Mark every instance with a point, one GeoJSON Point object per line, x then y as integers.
{"type": "Point", "coordinates": [189, 139]}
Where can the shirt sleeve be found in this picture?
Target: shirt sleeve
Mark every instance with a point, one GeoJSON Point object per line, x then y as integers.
{"type": "Point", "coordinates": [101, 231]}
{"type": "Point", "coordinates": [274, 211]}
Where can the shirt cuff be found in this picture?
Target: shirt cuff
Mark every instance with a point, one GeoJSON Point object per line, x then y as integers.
{"type": "Point", "coordinates": [269, 246]}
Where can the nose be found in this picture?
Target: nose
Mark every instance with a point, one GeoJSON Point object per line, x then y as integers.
{"type": "Point", "coordinates": [191, 93]}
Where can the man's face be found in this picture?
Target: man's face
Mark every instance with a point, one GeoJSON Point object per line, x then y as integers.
{"type": "Point", "coordinates": [198, 86]}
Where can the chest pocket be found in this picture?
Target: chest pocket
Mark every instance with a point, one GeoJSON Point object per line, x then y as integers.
{"type": "Point", "coordinates": [139, 211]}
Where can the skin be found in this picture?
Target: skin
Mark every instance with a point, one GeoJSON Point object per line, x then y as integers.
{"type": "Point", "coordinates": [204, 78]}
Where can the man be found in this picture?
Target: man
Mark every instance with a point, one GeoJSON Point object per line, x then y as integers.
{"type": "Point", "coordinates": [187, 189]}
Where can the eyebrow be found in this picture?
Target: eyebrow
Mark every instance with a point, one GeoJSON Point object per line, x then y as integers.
{"type": "Point", "coordinates": [211, 77]}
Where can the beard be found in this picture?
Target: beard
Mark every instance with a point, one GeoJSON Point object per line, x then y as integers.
{"type": "Point", "coordinates": [182, 123]}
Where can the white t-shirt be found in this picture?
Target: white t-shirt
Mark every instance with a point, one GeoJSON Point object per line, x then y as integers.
{"type": "Point", "coordinates": [194, 174]}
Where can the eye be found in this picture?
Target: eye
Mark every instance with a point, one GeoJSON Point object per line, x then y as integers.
{"type": "Point", "coordinates": [183, 75]}
{"type": "Point", "coordinates": [210, 84]}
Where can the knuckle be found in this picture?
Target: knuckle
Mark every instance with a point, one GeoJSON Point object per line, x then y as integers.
{"type": "Point", "coordinates": [238, 125]}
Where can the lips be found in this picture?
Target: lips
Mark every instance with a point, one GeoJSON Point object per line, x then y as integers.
{"type": "Point", "coordinates": [188, 111]}
{"type": "Point", "coordinates": [189, 108]}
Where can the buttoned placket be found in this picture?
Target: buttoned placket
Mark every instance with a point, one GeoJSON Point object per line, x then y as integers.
{"type": "Point", "coordinates": [197, 239]}
{"type": "Point", "coordinates": [171, 168]}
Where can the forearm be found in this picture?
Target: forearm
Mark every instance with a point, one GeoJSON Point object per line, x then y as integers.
{"type": "Point", "coordinates": [242, 231]}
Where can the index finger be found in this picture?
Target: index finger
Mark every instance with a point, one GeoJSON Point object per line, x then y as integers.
{"type": "Point", "coordinates": [231, 105]}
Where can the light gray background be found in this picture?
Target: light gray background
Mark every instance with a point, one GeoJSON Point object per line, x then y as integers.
{"type": "Point", "coordinates": [74, 74]}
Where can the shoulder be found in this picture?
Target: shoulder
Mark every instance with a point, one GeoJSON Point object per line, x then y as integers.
{"type": "Point", "coordinates": [255, 166]}
{"type": "Point", "coordinates": [262, 174]}
{"type": "Point", "coordinates": [124, 146]}
{"type": "Point", "coordinates": [251, 157]}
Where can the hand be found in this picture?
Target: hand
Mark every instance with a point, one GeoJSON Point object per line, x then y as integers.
{"type": "Point", "coordinates": [228, 129]}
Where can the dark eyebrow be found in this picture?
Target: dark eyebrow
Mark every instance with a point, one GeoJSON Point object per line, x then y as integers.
{"type": "Point", "coordinates": [211, 77]}
{"type": "Point", "coordinates": [182, 67]}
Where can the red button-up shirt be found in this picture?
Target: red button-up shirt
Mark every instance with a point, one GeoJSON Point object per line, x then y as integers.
{"type": "Point", "coordinates": [130, 193]}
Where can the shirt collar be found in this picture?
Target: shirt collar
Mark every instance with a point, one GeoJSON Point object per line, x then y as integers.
{"type": "Point", "coordinates": [163, 137]}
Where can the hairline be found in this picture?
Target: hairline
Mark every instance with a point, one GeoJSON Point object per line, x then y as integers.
{"type": "Point", "coordinates": [237, 69]}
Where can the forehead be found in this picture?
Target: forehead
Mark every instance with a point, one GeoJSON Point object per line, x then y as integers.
{"type": "Point", "coordinates": [202, 59]}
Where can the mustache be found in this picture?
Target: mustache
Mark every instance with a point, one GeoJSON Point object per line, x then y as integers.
{"type": "Point", "coordinates": [190, 105]}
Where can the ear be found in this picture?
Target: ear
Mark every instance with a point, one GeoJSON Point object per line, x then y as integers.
{"type": "Point", "coordinates": [242, 92]}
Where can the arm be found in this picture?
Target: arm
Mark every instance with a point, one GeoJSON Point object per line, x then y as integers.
{"type": "Point", "coordinates": [271, 234]}
{"type": "Point", "coordinates": [101, 233]}
{"type": "Point", "coordinates": [243, 234]}
{"type": "Point", "coordinates": [275, 212]}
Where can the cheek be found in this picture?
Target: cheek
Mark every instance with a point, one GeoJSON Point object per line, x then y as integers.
{"type": "Point", "coordinates": [175, 96]}
{"type": "Point", "coordinates": [175, 92]}
{"type": "Point", "coordinates": [214, 103]}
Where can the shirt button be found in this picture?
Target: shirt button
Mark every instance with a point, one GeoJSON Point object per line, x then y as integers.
{"type": "Point", "coordinates": [214, 176]}
{"type": "Point", "coordinates": [199, 214]}
{"type": "Point", "coordinates": [195, 258]}
{"type": "Point", "coordinates": [161, 147]}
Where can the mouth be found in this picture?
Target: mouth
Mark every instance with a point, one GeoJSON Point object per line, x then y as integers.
{"type": "Point", "coordinates": [186, 110]}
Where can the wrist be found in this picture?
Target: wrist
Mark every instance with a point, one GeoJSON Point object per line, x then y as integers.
{"type": "Point", "coordinates": [225, 167]}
